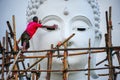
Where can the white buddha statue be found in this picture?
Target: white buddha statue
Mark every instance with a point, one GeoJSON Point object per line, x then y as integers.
{"type": "Point", "coordinates": [81, 17]}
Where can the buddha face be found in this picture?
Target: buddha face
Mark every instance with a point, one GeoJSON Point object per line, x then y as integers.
{"type": "Point", "coordinates": [71, 17]}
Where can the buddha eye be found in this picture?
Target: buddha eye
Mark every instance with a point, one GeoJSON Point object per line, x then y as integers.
{"type": "Point", "coordinates": [81, 29]}
{"type": "Point", "coordinates": [51, 29]}
{"type": "Point", "coordinates": [51, 20]}
{"type": "Point", "coordinates": [80, 24]}
{"type": "Point", "coordinates": [51, 23]}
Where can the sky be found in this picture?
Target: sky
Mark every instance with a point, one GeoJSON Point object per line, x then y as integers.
{"type": "Point", "coordinates": [18, 8]}
{"type": "Point", "coordinates": [8, 8]}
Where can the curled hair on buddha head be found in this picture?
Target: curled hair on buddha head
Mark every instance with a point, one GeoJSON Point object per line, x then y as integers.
{"type": "Point", "coordinates": [35, 19]}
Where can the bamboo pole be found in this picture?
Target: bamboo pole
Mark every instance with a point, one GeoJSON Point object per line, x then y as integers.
{"type": "Point", "coordinates": [71, 49]}
{"type": "Point", "coordinates": [33, 76]}
{"type": "Point", "coordinates": [65, 63]}
{"type": "Point", "coordinates": [7, 48]}
{"type": "Point", "coordinates": [10, 29]}
{"type": "Point", "coordinates": [89, 61]}
{"type": "Point", "coordinates": [109, 44]}
{"type": "Point", "coordinates": [69, 70]}
{"type": "Point", "coordinates": [49, 65]}
{"type": "Point", "coordinates": [24, 67]}
{"type": "Point", "coordinates": [7, 59]}
{"type": "Point", "coordinates": [3, 58]}
{"type": "Point", "coordinates": [15, 48]}
{"type": "Point", "coordinates": [71, 54]}
{"type": "Point", "coordinates": [118, 56]}
{"type": "Point", "coordinates": [10, 44]}
{"type": "Point", "coordinates": [8, 63]}
{"type": "Point", "coordinates": [105, 59]}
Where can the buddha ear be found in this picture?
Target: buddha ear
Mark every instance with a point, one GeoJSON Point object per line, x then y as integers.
{"type": "Point", "coordinates": [98, 37]}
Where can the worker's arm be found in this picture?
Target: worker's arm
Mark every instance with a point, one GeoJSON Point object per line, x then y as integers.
{"type": "Point", "coordinates": [53, 27]}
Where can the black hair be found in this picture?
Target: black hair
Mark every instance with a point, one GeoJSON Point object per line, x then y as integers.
{"type": "Point", "coordinates": [35, 19]}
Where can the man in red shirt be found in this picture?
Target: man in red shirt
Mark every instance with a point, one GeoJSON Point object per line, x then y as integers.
{"type": "Point", "coordinates": [30, 31]}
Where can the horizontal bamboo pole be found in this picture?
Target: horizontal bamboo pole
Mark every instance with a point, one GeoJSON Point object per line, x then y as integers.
{"type": "Point", "coordinates": [69, 70]}
{"type": "Point", "coordinates": [8, 63]}
{"type": "Point", "coordinates": [106, 74]}
{"type": "Point", "coordinates": [71, 54]}
{"type": "Point", "coordinates": [71, 49]}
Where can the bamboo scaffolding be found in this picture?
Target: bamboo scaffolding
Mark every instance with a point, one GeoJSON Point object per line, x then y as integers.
{"type": "Point", "coordinates": [46, 54]}
{"type": "Point", "coordinates": [13, 65]}
{"type": "Point", "coordinates": [50, 54]}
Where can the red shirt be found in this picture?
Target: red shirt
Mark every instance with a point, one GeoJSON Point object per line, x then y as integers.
{"type": "Point", "coordinates": [32, 28]}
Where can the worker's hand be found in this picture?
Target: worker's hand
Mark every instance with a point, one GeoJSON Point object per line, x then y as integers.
{"type": "Point", "coordinates": [55, 26]}
{"type": "Point", "coordinates": [59, 43]}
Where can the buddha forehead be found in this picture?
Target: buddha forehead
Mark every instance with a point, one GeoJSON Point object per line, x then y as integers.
{"type": "Point", "coordinates": [65, 9]}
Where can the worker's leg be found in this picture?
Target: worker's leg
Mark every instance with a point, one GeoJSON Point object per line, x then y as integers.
{"type": "Point", "coordinates": [25, 41]}
{"type": "Point", "coordinates": [24, 46]}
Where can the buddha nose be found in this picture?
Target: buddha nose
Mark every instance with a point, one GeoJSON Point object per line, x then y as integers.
{"type": "Point", "coordinates": [66, 32]}
{"type": "Point", "coordinates": [68, 39]}
{"type": "Point", "coordinates": [69, 43]}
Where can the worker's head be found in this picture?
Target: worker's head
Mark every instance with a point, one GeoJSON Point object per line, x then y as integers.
{"type": "Point", "coordinates": [35, 19]}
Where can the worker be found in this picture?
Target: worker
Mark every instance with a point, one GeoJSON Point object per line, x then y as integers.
{"type": "Point", "coordinates": [30, 31]}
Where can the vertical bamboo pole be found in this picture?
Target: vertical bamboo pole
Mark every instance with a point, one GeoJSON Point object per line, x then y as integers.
{"type": "Point", "coordinates": [109, 44]}
{"type": "Point", "coordinates": [65, 63]}
{"type": "Point", "coordinates": [33, 76]}
{"type": "Point", "coordinates": [24, 68]}
{"type": "Point", "coordinates": [7, 49]}
{"type": "Point", "coordinates": [3, 58]}
{"type": "Point", "coordinates": [15, 48]}
{"type": "Point", "coordinates": [38, 73]}
{"type": "Point", "coordinates": [10, 29]}
{"type": "Point", "coordinates": [89, 60]}
{"type": "Point", "coordinates": [49, 65]}
{"type": "Point", "coordinates": [118, 56]}
{"type": "Point", "coordinates": [36, 76]}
